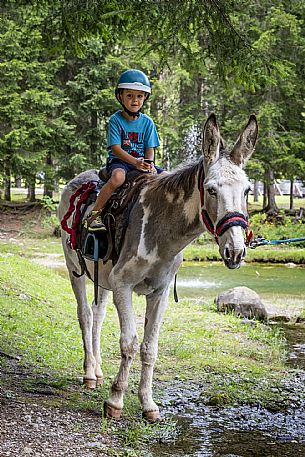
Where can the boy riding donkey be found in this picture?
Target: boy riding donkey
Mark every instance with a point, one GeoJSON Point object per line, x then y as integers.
{"type": "Point", "coordinates": [132, 137]}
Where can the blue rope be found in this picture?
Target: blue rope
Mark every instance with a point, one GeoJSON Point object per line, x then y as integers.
{"type": "Point", "coordinates": [263, 242]}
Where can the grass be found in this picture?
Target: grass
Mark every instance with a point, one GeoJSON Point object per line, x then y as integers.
{"type": "Point", "coordinates": [282, 201]}
{"type": "Point", "coordinates": [266, 254]}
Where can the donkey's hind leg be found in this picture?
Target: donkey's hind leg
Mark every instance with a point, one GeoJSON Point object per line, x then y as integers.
{"type": "Point", "coordinates": [99, 312]}
{"type": "Point", "coordinates": [85, 318]}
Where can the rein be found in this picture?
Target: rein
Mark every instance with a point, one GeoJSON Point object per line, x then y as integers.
{"type": "Point", "coordinates": [83, 192]}
{"type": "Point", "coordinates": [229, 220]}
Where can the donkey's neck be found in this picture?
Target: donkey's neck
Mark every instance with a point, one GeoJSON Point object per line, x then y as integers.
{"type": "Point", "coordinates": [171, 206]}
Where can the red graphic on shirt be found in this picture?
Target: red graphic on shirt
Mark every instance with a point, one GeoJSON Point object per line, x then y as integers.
{"type": "Point", "coordinates": [134, 153]}
{"type": "Point", "coordinates": [126, 142]}
{"type": "Point", "coordinates": [133, 136]}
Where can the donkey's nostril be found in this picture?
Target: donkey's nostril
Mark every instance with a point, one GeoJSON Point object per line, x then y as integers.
{"type": "Point", "coordinates": [227, 253]}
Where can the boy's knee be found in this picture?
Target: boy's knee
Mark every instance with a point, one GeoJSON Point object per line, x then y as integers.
{"type": "Point", "coordinates": [118, 177]}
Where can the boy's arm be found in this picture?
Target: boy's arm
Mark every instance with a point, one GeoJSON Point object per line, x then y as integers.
{"type": "Point", "coordinates": [139, 163]}
{"type": "Point", "coordinates": [150, 153]}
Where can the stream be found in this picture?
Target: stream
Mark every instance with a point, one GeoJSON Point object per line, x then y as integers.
{"type": "Point", "coordinates": [243, 431]}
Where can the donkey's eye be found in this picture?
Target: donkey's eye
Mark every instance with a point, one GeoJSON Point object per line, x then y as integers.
{"type": "Point", "coordinates": [211, 191]}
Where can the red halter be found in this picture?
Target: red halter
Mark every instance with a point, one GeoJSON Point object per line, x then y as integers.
{"type": "Point", "coordinates": [229, 220]}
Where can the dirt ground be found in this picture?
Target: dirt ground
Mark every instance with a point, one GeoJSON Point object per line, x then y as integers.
{"type": "Point", "coordinates": [17, 220]}
{"type": "Point", "coordinates": [29, 426]}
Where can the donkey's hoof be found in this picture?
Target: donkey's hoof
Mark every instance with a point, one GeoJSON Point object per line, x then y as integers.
{"type": "Point", "coordinates": [110, 412]}
{"type": "Point", "coordinates": [90, 383]}
{"type": "Point", "coordinates": [152, 416]}
{"type": "Point", "coordinates": [99, 380]}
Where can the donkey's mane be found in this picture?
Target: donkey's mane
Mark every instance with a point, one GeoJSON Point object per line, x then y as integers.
{"type": "Point", "coordinates": [181, 178]}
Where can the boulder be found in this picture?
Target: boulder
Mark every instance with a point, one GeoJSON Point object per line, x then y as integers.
{"type": "Point", "coordinates": [243, 302]}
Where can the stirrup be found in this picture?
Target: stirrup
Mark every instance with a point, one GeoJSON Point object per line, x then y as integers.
{"type": "Point", "coordinates": [90, 248]}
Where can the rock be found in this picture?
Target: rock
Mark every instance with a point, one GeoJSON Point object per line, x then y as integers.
{"type": "Point", "coordinates": [243, 302]}
{"type": "Point", "coordinates": [290, 265]}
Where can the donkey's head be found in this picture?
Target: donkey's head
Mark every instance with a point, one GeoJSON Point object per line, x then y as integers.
{"type": "Point", "coordinates": [226, 187]}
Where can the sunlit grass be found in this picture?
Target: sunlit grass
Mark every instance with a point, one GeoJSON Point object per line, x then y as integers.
{"type": "Point", "coordinates": [282, 201]}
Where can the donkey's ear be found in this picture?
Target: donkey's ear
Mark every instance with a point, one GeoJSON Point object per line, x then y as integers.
{"type": "Point", "coordinates": [246, 142]}
{"type": "Point", "coordinates": [211, 140]}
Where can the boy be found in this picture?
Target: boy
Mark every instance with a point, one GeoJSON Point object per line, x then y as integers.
{"type": "Point", "coordinates": [132, 137]}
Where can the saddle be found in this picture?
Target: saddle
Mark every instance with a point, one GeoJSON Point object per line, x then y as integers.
{"type": "Point", "coordinates": [115, 215]}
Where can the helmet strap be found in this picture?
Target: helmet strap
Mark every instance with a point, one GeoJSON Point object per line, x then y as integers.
{"type": "Point", "coordinates": [130, 113]}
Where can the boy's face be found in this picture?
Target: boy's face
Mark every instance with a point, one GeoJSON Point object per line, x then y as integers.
{"type": "Point", "coordinates": [133, 99]}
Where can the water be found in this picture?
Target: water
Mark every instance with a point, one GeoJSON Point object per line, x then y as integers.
{"type": "Point", "coordinates": [245, 431]}
{"type": "Point", "coordinates": [295, 337]}
{"type": "Point", "coordinates": [236, 432]}
{"type": "Point", "coordinates": [197, 279]}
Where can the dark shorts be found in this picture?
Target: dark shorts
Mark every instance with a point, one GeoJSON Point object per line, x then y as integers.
{"type": "Point", "coordinates": [112, 164]}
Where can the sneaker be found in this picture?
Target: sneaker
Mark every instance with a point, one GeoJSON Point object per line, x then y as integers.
{"type": "Point", "coordinates": [97, 225]}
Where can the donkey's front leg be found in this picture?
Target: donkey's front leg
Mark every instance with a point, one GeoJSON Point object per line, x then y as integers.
{"type": "Point", "coordinates": [156, 305]}
{"type": "Point", "coordinates": [129, 346]}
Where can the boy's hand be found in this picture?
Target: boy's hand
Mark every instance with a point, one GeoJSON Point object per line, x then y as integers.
{"type": "Point", "coordinates": [152, 168]}
{"type": "Point", "coordinates": [141, 165]}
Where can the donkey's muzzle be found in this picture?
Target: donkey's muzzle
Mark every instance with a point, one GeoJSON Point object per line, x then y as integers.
{"type": "Point", "coordinates": [233, 257]}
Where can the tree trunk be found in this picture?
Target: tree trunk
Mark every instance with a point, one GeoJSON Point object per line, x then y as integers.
{"type": "Point", "coordinates": [31, 196]}
{"type": "Point", "coordinates": [291, 195]}
{"type": "Point", "coordinates": [265, 196]}
{"type": "Point", "coordinates": [165, 154]}
{"type": "Point", "coordinates": [18, 182]}
{"type": "Point", "coordinates": [49, 177]}
{"type": "Point", "coordinates": [93, 144]}
{"type": "Point", "coordinates": [7, 183]}
{"type": "Point", "coordinates": [165, 150]}
{"type": "Point", "coordinates": [255, 191]}
{"type": "Point", "coordinates": [271, 204]}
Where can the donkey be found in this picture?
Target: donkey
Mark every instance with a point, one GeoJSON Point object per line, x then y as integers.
{"type": "Point", "coordinates": [170, 212]}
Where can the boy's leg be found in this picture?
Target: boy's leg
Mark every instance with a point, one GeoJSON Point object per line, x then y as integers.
{"type": "Point", "coordinates": [117, 178]}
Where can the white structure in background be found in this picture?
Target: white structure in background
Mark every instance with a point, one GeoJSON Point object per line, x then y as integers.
{"type": "Point", "coordinates": [283, 188]}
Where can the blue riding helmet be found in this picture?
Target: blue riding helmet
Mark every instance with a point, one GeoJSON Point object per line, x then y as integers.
{"type": "Point", "coordinates": [136, 80]}
{"type": "Point", "coordinates": [133, 79]}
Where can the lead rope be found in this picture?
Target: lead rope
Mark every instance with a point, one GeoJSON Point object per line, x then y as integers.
{"type": "Point", "coordinates": [259, 241]}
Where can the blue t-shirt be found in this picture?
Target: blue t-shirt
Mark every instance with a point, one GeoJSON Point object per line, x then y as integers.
{"type": "Point", "coordinates": [133, 136]}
